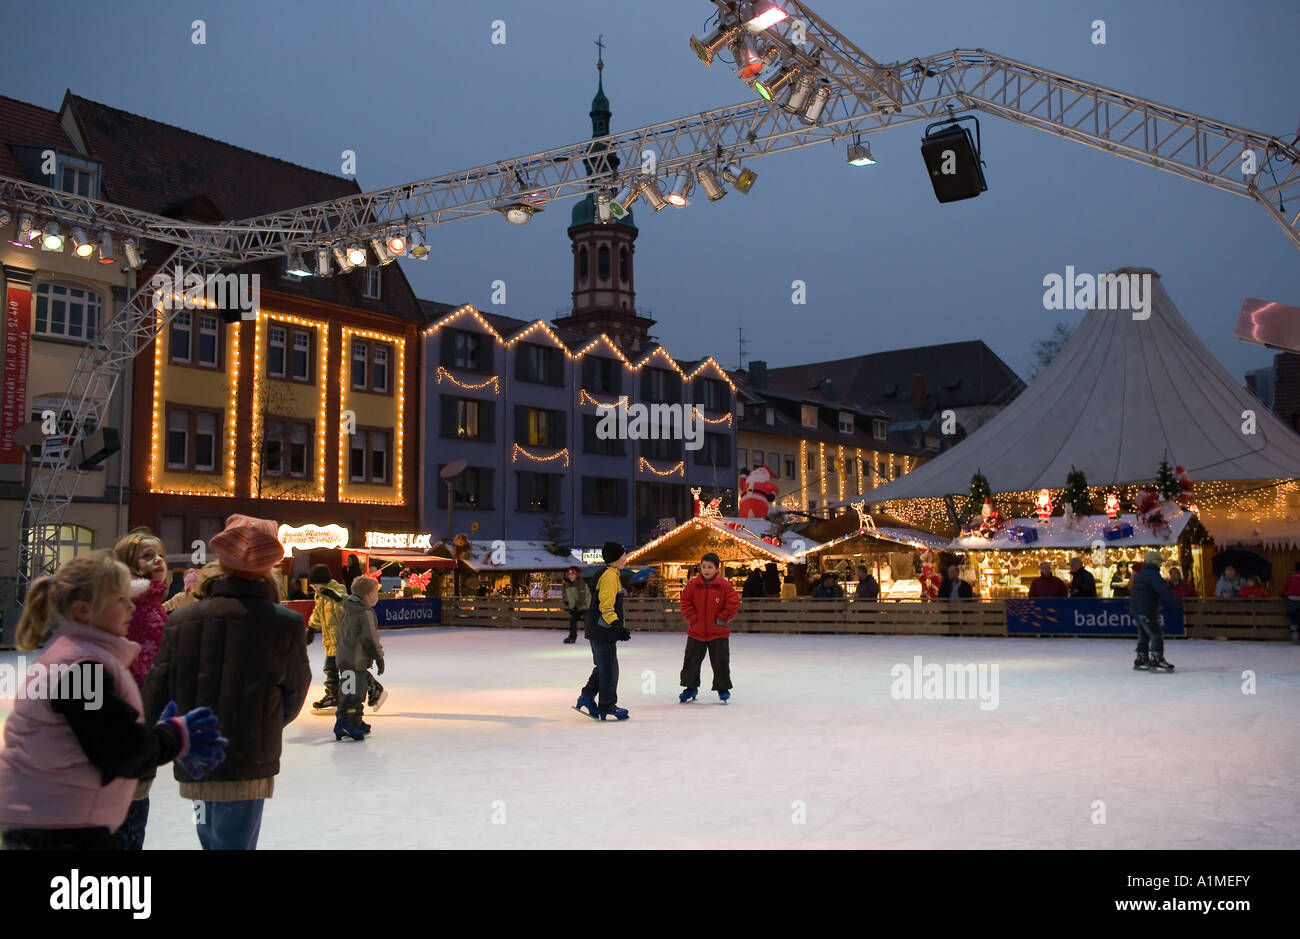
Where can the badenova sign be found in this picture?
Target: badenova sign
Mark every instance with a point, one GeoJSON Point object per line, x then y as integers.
{"type": "Point", "coordinates": [386, 539]}
{"type": "Point", "coordinates": [308, 537]}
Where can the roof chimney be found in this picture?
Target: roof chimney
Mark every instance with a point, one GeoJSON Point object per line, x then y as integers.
{"type": "Point", "coordinates": [918, 392]}
{"type": "Point", "coordinates": [758, 373]}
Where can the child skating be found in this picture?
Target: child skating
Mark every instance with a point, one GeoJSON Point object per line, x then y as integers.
{"type": "Point", "coordinates": [605, 627]}
{"type": "Point", "coordinates": [325, 616]}
{"type": "Point", "coordinates": [709, 603]}
{"type": "Point", "coordinates": [358, 648]}
{"type": "Point", "coordinates": [72, 757]}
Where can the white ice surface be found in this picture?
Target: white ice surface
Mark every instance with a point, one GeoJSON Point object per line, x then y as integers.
{"type": "Point", "coordinates": [479, 723]}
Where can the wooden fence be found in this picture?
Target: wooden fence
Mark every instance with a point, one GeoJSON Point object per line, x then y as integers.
{"type": "Point", "coordinates": [1206, 618]}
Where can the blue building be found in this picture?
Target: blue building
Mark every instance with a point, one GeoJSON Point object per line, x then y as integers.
{"type": "Point", "coordinates": [518, 401]}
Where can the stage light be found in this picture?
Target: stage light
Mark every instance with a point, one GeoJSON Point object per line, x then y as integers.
{"type": "Point", "coordinates": [860, 154]}
{"type": "Point", "coordinates": [622, 203]}
{"type": "Point", "coordinates": [323, 262]}
{"type": "Point", "coordinates": [803, 89]}
{"type": "Point", "coordinates": [357, 256]}
{"type": "Point", "coordinates": [296, 267]}
{"type": "Point", "coordinates": [813, 113]}
{"type": "Point", "coordinates": [708, 181]}
{"type": "Point", "coordinates": [714, 43]}
{"type": "Point", "coordinates": [82, 246]}
{"type": "Point", "coordinates": [679, 189]}
{"type": "Point", "coordinates": [419, 247]}
{"type": "Point", "coordinates": [5, 218]}
{"type": "Point", "coordinates": [603, 213]}
{"type": "Point", "coordinates": [770, 88]}
{"type": "Point", "coordinates": [762, 14]}
{"type": "Point", "coordinates": [518, 214]}
{"type": "Point", "coordinates": [51, 240]}
{"type": "Point", "coordinates": [343, 258]}
{"type": "Point", "coordinates": [131, 251]}
{"type": "Point", "coordinates": [748, 61]}
{"type": "Point", "coordinates": [28, 230]}
{"type": "Point", "coordinates": [106, 255]}
{"type": "Point", "coordinates": [742, 179]}
{"type": "Point", "coordinates": [653, 194]}
{"type": "Point", "coordinates": [380, 247]}
{"type": "Point", "coordinates": [396, 245]}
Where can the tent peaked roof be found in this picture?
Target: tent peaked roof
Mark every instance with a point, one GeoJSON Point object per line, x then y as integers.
{"type": "Point", "coordinates": [1121, 394]}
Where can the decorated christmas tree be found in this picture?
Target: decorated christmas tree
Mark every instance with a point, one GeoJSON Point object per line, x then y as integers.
{"type": "Point", "coordinates": [1167, 483]}
{"type": "Point", "coordinates": [979, 491]}
{"type": "Point", "coordinates": [1076, 492]}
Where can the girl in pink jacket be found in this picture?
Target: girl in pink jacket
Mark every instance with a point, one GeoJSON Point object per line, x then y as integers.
{"type": "Point", "coordinates": [76, 742]}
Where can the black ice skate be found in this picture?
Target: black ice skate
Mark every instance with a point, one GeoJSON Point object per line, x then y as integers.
{"type": "Point", "coordinates": [326, 705]}
{"type": "Point", "coordinates": [1142, 662]}
{"type": "Point", "coordinates": [1158, 663]}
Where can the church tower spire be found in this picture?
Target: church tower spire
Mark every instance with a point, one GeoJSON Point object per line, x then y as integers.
{"type": "Point", "coordinates": [604, 298]}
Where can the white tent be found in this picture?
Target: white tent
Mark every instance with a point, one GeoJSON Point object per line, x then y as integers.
{"type": "Point", "coordinates": [1119, 396]}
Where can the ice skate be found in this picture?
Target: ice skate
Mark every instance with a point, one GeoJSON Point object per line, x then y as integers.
{"type": "Point", "coordinates": [688, 695]}
{"type": "Point", "coordinates": [344, 729]}
{"type": "Point", "coordinates": [588, 702]}
{"type": "Point", "coordinates": [1158, 663]}
{"type": "Point", "coordinates": [325, 705]}
{"type": "Point", "coordinates": [377, 701]}
{"type": "Point", "coordinates": [723, 696]}
{"type": "Point", "coordinates": [619, 714]}
{"type": "Point", "coordinates": [570, 639]}
{"type": "Point", "coordinates": [1142, 662]}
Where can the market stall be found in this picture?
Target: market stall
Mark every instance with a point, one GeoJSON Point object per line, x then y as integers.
{"type": "Point", "coordinates": [513, 568]}
{"type": "Point", "coordinates": [890, 552]}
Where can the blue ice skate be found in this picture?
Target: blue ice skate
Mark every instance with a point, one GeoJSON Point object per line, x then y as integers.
{"type": "Point", "coordinates": [688, 695]}
{"type": "Point", "coordinates": [588, 702]}
{"type": "Point", "coordinates": [724, 695]}
{"type": "Point", "coordinates": [619, 714]}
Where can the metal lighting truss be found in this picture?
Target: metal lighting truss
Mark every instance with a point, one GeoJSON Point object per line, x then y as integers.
{"type": "Point", "coordinates": [866, 97]}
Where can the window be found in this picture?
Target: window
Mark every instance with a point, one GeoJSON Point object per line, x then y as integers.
{"type": "Point", "coordinates": [538, 424]}
{"type": "Point", "coordinates": [209, 329]}
{"type": "Point", "coordinates": [660, 500]}
{"type": "Point", "coordinates": [846, 422]}
{"type": "Point", "coordinates": [301, 355]}
{"type": "Point", "coordinates": [360, 363]}
{"type": "Point", "coordinates": [468, 419]}
{"type": "Point", "coordinates": [602, 374]}
{"type": "Point", "coordinates": [602, 262]}
{"type": "Point", "coordinates": [713, 395]}
{"type": "Point", "coordinates": [742, 457]}
{"type": "Point", "coordinates": [774, 464]}
{"type": "Point", "coordinates": [287, 448]}
{"type": "Point", "coordinates": [769, 415]}
{"type": "Point", "coordinates": [662, 449]}
{"type": "Point", "coordinates": [879, 429]}
{"type": "Point", "coordinates": [465, 350]}
{"type": "Point", "coordinates": [789, 467]}
{"type": "Point", "coordinates": [535, 427]}
{"type": "Point", "coordinates": [809, 461]}
{"type": "Point", "coordinates": [539, 364]}
{"type": "Point", "coordinates": [70, 541]}
{"type": "Point", "coordinates": [379, 371]}
{"type": "Point", "coordinates": [808, 414]}
{"type": "Point", "coordinates": [194, 439]}
{"type": "Point", "coordinates": [171, 529]}
{"type": "Point", "coordinates": [601, 496]}
{"type": "Point", "coordinates": [76, 180]}
{"type": "Point", "coordinates": [368, 457]}
{"type": "Point", "coordinates": [582, 263]}
{"type": "Point", "coordinates": [371, 285]}
{"type": "Point", "coordinates": [276, 337]}
{"type": "Point", "coordinates": [715, 452]}
{"type": "Point", "coordinates": [472, 489]}
{"type": "Point", "coordinates": [740, 409]}
{"type": "Point", "coordinates": [182, 336]}
{"type": "Point", "coordinates": [592, 442]}
{"type": "Point", "coordinates": [66, 311]}
{"type": "Point", "coordinates": [622, 265]}
{"type": "Point", "coordinates": [538, 492]}
{"type": "Point", "coordinates": [273, 448]}
{"type": "Point", "coordinates": [660, 386]}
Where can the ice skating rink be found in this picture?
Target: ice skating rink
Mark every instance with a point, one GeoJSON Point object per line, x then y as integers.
{"type": "Point", "coordinates": [478, 747]}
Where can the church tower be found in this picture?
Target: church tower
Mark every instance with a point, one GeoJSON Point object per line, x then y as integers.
{"type": "Point", "coordinates": [604, 293]}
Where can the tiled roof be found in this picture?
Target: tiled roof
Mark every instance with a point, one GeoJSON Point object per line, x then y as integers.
{"type": "Point", "coordinates": [159, 168]}
{"type": "Point", "coordinates": [26, 125]}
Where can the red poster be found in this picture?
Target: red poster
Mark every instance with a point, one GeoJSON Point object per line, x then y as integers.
{"type": "Point", "coordinates": [13, 406]}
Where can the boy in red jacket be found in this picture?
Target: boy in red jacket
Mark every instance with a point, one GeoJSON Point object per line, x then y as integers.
{"type": "Point", "coordinates": [708, 602]}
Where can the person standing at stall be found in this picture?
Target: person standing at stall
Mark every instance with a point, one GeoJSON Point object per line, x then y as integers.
{"type": "Point", "coordinates": [709, 603]}
{"type": "Point", "coordinates": [577, 597]}
{"type": "Point", "coordinates": [1082, 584]}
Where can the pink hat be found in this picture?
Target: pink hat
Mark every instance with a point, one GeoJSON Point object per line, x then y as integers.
{"type": "Point", "coordinates": [248, 545]}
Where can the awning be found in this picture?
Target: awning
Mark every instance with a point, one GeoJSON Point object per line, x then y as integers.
{"type": "Point", "coordinates": [405, 558]}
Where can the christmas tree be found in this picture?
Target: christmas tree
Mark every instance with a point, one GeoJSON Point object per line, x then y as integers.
{"type": "Point", "coordinates": [1076, 492]}
{"type": "Point", "coordinates": [979, 491]}
{"type": "Point", "coordinates": [1167, 482]}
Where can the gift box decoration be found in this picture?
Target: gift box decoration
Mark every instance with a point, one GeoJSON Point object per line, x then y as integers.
{"type": "Point", "coordinates": [1023, 535]}
{"type": "Point", "coordinates": [1119, 530]}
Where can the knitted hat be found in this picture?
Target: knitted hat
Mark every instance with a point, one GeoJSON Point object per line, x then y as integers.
{"type": "Point", "coordinates": [319, 574]}
{"type": "Point", "coordinates": [247, 545]}
{"type": "Point", "coordinates": [1153, 557]}
{"type": "Point", "coordinates": [712, 559]}
{"type": "Point", "coordinates": [611, 551]}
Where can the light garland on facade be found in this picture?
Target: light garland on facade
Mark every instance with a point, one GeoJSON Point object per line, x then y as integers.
{"type": "Point", "coordinates": [660, 350]}
{"type": "Point", "coordinates": [585, 398]}
{"type": "Point", "coordinates": [559, 454]}
{"type": "Point", "coordinates": [608, 342]}
{"type": "Point", "coordinates": [456, 314]}
{"type": "Point", "coordinates": [841, 466]}
{"type": "Point", "coordinates": [679, 469]}
{"type": "Point", "coordinates": [710, 361]}
{"type": "Point", "coordinates": [803, 475]}
{"type": "Point", "coordinates": [321, 329]}
{"type": "Point", "coordinates": [862, 470]}
{"type": "Point", "coordinates": [398, 456]}
{"type": "Point", "coordinates": [695, 412]}
{"type": "Point", "coordinates": [821, 465]}
{"type": "Point", "coordinates": [493, 381]}
{"type": "Point", "coordinates": [540, 324]}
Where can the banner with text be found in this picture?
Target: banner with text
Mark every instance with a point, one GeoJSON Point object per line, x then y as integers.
{"type": "Point", "coordinates": [1092, 617]}
{"type": "Point", "coordinates": [17, 341]}
{"type": "Point", "coordinates": [425, 611]}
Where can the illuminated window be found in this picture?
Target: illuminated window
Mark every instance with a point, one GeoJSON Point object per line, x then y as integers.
{"type": "Point", "coordinates": [466, 418]}
{"type": "Point", "coordinates": [846, 422]}
{"type": "Point", "coordinates": [808, 414]}
{"type": "Point", "coordinates": [66, 311]}
{"type": "Point", "coordinates": [879, 429]}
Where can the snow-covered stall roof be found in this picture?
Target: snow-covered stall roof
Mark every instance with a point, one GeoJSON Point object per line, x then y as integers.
{"type": "Point", "coordinates": [789, 548]}
{"type": "Point", "coordinates": [906, 536]}
{"type": "Point", "coordinates": [1120, 395]}
{"type": "Point", "coordinates": [516, 556]}
{"type": "Point", "coordinates": [1088, 530]}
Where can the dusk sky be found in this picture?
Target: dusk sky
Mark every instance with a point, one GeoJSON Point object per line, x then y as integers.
{"type": "Point", "coordinates": [417, 89]}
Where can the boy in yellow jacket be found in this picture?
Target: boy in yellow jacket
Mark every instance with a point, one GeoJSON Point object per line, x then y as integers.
{"type": "Point", "coordinates": [325, 616]}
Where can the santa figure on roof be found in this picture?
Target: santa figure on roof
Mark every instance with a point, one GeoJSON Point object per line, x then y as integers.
{"type": "Point", "coordinates": [757, 492]}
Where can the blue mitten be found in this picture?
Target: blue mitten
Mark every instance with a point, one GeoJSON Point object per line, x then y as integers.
{"type": "Point", "coordinates": [202, 746]}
